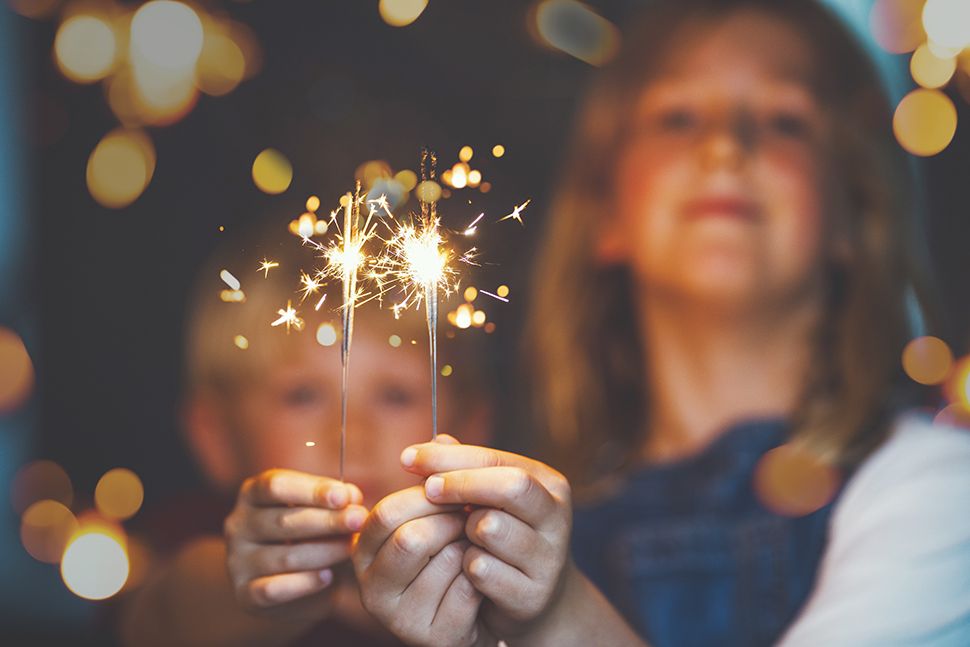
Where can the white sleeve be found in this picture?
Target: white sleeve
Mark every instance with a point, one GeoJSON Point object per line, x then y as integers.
{"type": "Point", "coordinates": [896, 571]}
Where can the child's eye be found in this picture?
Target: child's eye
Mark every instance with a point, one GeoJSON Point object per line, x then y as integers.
{"type": "Point", "coordinates": [302, 396]}
{"type": "Point", "coordinates": [790, 125]}
{"type": "Point", "coordinates": [396, 396]}
{"type": "Point", "coordinates": [677, 120]}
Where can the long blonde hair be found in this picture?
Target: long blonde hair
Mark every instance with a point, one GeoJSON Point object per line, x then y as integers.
{"type": "Point", "coordinates": [583, 340]}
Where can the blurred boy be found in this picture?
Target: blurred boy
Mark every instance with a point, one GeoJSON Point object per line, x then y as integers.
{"type": "Point", "coordinates": [262, 418]}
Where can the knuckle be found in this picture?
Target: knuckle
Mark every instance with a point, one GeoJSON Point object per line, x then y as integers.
{"type": "Point", "coordinates": [560, 487]}
{"type": "Point", "coordinates": [408, 539]}
{"type": "Point", "coordinates": [493, 527]}
{"type": "Point", "coordinates": [519, 483]}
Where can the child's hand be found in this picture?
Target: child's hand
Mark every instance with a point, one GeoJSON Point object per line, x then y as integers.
{"type": "Point", "coordinates": [286, 532]}
{"type": "Point", "coordinates": [520, 537]}
{"type": "Point", "coordinates": [408, 560]}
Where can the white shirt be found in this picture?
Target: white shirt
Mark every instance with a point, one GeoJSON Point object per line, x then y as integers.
{"type": "Point", "coordinates": [896, 571]}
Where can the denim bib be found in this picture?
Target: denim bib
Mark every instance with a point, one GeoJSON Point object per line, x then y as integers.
{"type": "Point", "coordinates": [691, 558]}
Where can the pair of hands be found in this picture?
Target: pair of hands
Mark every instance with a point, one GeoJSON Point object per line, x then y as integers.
{"type": "Point", "coordinates": [478, 551]}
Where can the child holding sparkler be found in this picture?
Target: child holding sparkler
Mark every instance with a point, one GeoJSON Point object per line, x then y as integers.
{"type": "Point", "coordinates": [720, 308]}
{"type": "Point", "coordinates": [262, 418]}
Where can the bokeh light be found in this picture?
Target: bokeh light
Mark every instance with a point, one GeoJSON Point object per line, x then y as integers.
{"type": "Point", "coordinates": [929, 70]}
{"type": "Point", "coordinates": [326, 334]}
{"type": "Point", "coordinates": [407, 178]}
{"type": "Point", "coordinates": [85, 48]}
{"type": "Point", "coordinates": [401, 13]}
{"type": "Point", "coordinates": [428, 191]}
{"type": "Point", "coordinates": [953, 415]}
{"type": "Point", "coordinates": [120, 167]}
{"type": "Point", "coordinates": [119, 494]}
{"type": "Point", "coordinates": [394, 341]}
{"type": "Point", "coordinates": [241, 342]}
{"type": "Point", "coordinates": [471, 294]}
{"type": "Point", "coordinates": [947, 22]}
{"type": "Point", "coordinates": [447, 370]}
{"type": "Point", "coordinates": [925, 122]}
{"type": "Point", "coordinates": [792, 482]}
{"type": "Point", "coordinates": [466, 153]}
{"type": "Point", "coordinates": [95, 564]}
{"type": "Point", "coordinates": [502, 291]}
{"type": "Point", "coordinates": [498, 150]}
{"type": "Point", "coordinates": [16, 371]}
{"type": "Point", "coordinates": [272, 172]}
{"type": "Point", "coordinates": [222, 64]}
{"type": "Point", "coordinates": [167, 34]}
{"type": "Point", "coordinates": [957, 388]}
{"type": "Point", "coordinates": [897, 25]}
{"type": "Point", "coordinates": [46, 527]}
{"type": "Point", "coordinates": [37, 481]}
{"type": "Point", "coordinates": [927, 360]}
{"type": "Point", "coordinates": [574, 28]}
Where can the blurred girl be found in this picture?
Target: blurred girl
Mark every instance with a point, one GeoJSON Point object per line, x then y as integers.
{"type": "Point", "coordinates": [721, 305]}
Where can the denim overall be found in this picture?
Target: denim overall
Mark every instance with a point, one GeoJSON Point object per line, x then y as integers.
{"type": "Point", "coordinates": [690, 557]}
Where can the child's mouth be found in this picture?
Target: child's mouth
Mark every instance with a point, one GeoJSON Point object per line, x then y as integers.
{"type": "Point", "coordinates": [725, 206]}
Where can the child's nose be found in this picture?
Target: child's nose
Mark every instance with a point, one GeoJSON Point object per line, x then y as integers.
{"type": "Point", "coordinates": [727, 142]}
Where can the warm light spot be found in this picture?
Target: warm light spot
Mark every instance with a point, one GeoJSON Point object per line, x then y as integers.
{"type": "Point", "coordinates": [463, 315]}
{"type": "Point", "coordinates": [230, 280]}
{"type": "Point", "coordinates": [221, 65]}
{"type": "Point", "coordinates": [927, 360]}
{"type": "Point", "coordinates": [498, 150]}
{"type": "Point", "coordinates": [953, 415]}
{"type": "Point", "coordinates": [490, 327]}
{"type": "Point", "coordinates": [95, 565]}
{"type": "Point", "coordinates": [312, 203]}
{"type": "Point", "coordinates": [485, 187]}
{"type": "Point", "coordinates": [792, 482]}
{"type": "Point", "coordinates": [310, 443]}
{"type": "Point", "coordinates": [45, 530]}
{"type": "Point", "coordinates": [502, 291]}
{"type": "Point", "coordinates": [574, 28]}
{"type": "Point", "coordinates": [326, 334]}
{"type": "Point", "coordinates": [320, 227]}
{"type": "Point", "coordinates": [471, 294]}
{"type": "Point", "coordinates": [897, 25]}
{"type": "Point", "coordinates": [241, 342]}
{"type": "Point", "coordinates": [428, 191]}
{"type": "Point", "coordinates": [233, 296]}
{"type": "Point", "coordinates": [159, 96]}
{"type": "Point", "coordinates": [478, 318]}
{"type": "Point", "coordinates": [167, 34]}
{"type": "Point", "coordinates": [140, 560]}
{"type": "Point", "coordinates": [37, 481]}
{"type": "Point", "coordinates": [306, 225]}
{"type": "Point", "coordinates": [221, 228]}
{"type": "Point", "coordinates": [929, 70]}
{"type": "Point", "coordinates": [401, 13]}
{"type": "Point", "coordinates": [371, 171]}
{"type": "Point", "coordinates": [407, 178]}
{"type": "Point", "coordinates": [465, 154]}
{"type": "Point", "coordinates": [925, 122]}
{"type": "Point", "coordinates": [474, 178]}
{"type": "Point", "coordinates": [957, 387]}
{"type": "Point", "coordinates": [119, 494]}
{"type": "Point", "coordinates": [947, 22]}
{"type": "Point", "coordinates": [394, 341]}
{"type": "Point", "coordinates": [446, 370]}
{"type": "Point", "coordinates": [16, 371]}
{"type": "Point", "coordinates": [85, 48]}
{"type": "Point", "coordinates": [459, 176]}
{"type": "Point", "coordinates": [272, 172]}
{"type": "Point", "coordinates": [120, 167]}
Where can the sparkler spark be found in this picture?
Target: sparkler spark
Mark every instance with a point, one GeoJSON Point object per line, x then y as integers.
{"type": "Point", "coordinates": [288, 317]}
{"type": "Point", "coordinates": [471, 229]}
{"type": "Point", "coordinates": [494, 296]}
{"type": "Point", "coordinates": [517, 212]}
{"type": "Point", "coordinates": [311, 285]}
{"type": "Point", "coordinates": [266, 265]}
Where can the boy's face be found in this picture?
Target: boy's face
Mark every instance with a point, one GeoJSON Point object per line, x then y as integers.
{"type": "Point", "coordinates": [299, 401]}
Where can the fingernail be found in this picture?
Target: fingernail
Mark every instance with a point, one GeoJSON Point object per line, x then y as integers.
{"type": "Point", "coordinates": [354, 519]}
{"type": "Point", "coordinates": [478, 567]}
{"type": "Point", "coordinates": [326, 576]}
{"type": "Point", "coordinates": [337, 496]}
{"type": "Point", "coordinates": [433, 487]}
{"type": "Point", "coordinates": [408, 456]}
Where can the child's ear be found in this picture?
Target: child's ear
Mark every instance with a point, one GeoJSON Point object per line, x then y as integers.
{"type": "Point", "coordinates": [208, 435]}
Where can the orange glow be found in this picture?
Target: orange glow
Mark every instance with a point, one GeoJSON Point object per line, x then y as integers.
{"type": "Point", "coordinates": [16, 371]}
{"type": "Point", "coordinates": [37, 481]}
{"type": "Point", "coordinates": [465, 154]}
{"type": "Point", "coordinates": [498, 150]}
{"type": "Point", "coordinates": [119, 494]}
{"type": "Point", "coordinates": [221, 65]}
{"type": "Point", "coordinates": [502, 291]}
{"type": "Point", "coordinates": [958, 385]}
{"type": "Point", "coordinates": [85, 48]}
{"type": "Point", "coordinates": [929, 70]}
{"type": "Point", "coordinates": [446, 370]}
{"type": "Point", "coordinates": [897, 25]}
{"type": "Point", "coordinates": [241, 342]}
{"type": "Point", "coordinates": [478, 318]}
{"type": "Point", "coordinates": [401, 13]}
{"type": "Point", "coordinates": [407, 178]}
{"type": "Point", "coordinates": [428, 191]}
{"type": "Point", "coordinates": [792, 482]}
{"type": "Point", "coordinates": [95, 564]}
{"type": "Point", "coordinates": [45, 529]}
{"type": "Point", "coordinates": [953, 415]}
{"type": "Point", "coordinates": [272, 172]}
{"type": "Point", "coordinates": [459, 175]}
{"type": "Point", "coordinates": [474, 178]}
{"type": "Point", "coordinates": [927, 360]}
{"type": "Point", "coordinates": [925, 122]}
{"type": "Point", "coordinates": [470, 294]}
{"type": "Point", "coordinates": [120, 167]}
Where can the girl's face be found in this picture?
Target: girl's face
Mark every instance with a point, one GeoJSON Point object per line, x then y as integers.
{"type": "Point", "coordinates": [720, 188]}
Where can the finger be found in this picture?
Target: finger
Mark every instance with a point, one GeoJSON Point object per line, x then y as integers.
{"type": "Point", "coordinates": [410, 550]}
{"type": "Point", "coordinates": [289, 487]}
{"type": "Point", "coordinates": [286, 524]}
{"type": "Point", "coordinates": [278, 589]}
{"type": "Point", "coordinates": [458, 610]}
{"type": "Point", "coordinates": [294, 558]}
{"type": "Point", "coordinates": [429, 458]}
{"type": "Point", "coordinates": [391, 512]}
{"type": "Point", "coordinates": [511, 540]}
{"type": "Point", "coordinates": [506, 586]}
{"type": "Point", "coordinates": [446, 439]}
{"type": "Point", "coordinates": [507, 488]}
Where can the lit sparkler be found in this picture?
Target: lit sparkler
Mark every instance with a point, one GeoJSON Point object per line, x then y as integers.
{"type": "Point", "coordinates": [266, 265]}
{"type": "Point", "coordinates": [288, 317]}
{"type": "Point", "coordinates": [517, 212]}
